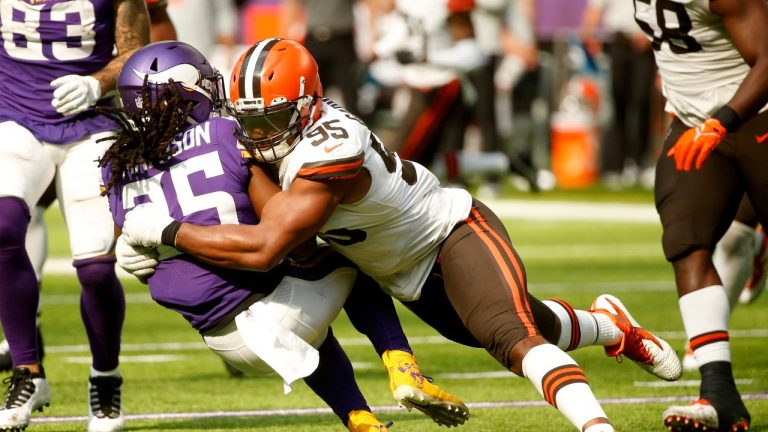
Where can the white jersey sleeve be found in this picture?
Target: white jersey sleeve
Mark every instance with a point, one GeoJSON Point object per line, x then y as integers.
{"type": "Point", "coordinates": [699, 65]}
{"type": "Point", "coordinates": [394, 233]}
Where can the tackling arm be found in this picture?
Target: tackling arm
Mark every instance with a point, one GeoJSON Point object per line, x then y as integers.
{"type": "Point", "coordinates": [287, 220]}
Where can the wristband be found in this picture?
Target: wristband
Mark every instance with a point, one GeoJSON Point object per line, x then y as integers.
{"type": "Point", "coordinates": [728, 118]}
{"type": "Point", "coordinates": [168, 237]}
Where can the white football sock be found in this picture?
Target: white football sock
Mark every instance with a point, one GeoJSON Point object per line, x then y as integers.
{"type": "Point", "coordinates": [579, 328]}
{"type": "Point", "coordinates": [705, 315]}
{"type": "Point", "coordinates": [563, 385]}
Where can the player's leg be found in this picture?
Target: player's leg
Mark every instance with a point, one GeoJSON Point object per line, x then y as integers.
{"type": "Point", "coordinates": [102, 301]}
{"type": "Point", "coordinates": [756, 283]}
{"type": "Point", "coordinates": [486, 283]}
{"type": "Point", "coordinates": [25, 171]}
{"type": "Point", "coordinates": [36, 245]}
{"type": "Point", "coordinates": [696, 209]}
{"type": "Point", "coordinates": [735, 252]}
{"type": "Point", "coordinates": [609, 324]}
{"type": "Point", "coordinates": [372, 312]}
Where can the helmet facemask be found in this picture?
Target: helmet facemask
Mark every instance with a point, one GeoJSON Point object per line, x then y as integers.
{"type": "Point", "coordinates": [270, 133]}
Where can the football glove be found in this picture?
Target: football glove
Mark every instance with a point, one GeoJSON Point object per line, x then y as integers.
{"type": "Point", "coordinates": [697, 143]}
{"type": "Point", "coordinates": [139, 261]}
{"type": "Point", "coordinates": [145, 223]}
{"type": "Point", "coordinates": [75, 93]}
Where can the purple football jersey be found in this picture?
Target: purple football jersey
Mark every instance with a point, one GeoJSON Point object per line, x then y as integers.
{"type": "Point", "coordinates": [42, 41]}
{"type": "Point", "coordinates": [206, 183]}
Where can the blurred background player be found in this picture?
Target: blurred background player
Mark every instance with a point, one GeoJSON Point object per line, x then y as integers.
{"type": "Point", "coordinates": [161, 28]}
{"type": "Point", "coordinates": [438, 51]}
{"type": "Point", "coordinates": [211, 26]}
{"type": "Point", "coordinates": [713, 60]}
{"type": "Point", "coordinates": [49, 130]}
{"type": "Point", "coordinates": [609, 25]}
{"type": "Point", "coordinates": [327, 29]}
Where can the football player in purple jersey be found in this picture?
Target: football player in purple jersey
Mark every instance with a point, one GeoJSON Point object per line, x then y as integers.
{"type": "Point", "coordinates": [60, 59]}
{"type": "Point", "coordinates": [444, 255]}
{"type": "Point", "coordinates": [174, 153]}
{"type": "Point", "coordinates": [161, 28]}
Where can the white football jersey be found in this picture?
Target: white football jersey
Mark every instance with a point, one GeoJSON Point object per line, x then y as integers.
{"type": "Point", "coordinates": [394, 233]}
{"type": "Point", "coordinates": [700, 67]}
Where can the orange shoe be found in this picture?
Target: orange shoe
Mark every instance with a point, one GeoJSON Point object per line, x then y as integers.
{"type": "Point", "coordinates": [411, 389]}
{"type": "Point", "coordinates": [639, 345]}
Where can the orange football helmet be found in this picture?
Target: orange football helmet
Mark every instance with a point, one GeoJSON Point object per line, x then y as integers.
{"type": "Point", "coordinates": [274, 90]}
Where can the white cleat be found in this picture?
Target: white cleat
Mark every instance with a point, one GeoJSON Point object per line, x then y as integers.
{"type": "Point", "coordinates": [689, 360]}
{"type": "Point", "coordinates": [698, 416]}
{"type": "Point", "coordinates": [104, 408]}
{"type": "Point", "coordinates": [650, 352]}
{"type": "Point", "coordinates": [26, 393]}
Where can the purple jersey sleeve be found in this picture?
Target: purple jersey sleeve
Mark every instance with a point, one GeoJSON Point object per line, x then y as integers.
{"type": "Point", "coordinates": [43, 41]}
{"type": "Point", "coordinates": [206, 183]}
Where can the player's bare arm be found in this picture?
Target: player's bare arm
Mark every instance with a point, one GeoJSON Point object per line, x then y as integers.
{"type": "Point", "coordinates": [287, 220]}
{"type": "Point", "coordinates": [747, 24]}
{"type": "Point", "coordinates": [131, 33]}
{"type": "Point", "coordinates": [262, 187]}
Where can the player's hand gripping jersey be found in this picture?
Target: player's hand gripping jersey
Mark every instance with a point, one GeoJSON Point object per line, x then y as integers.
{"type": "Point", "coordinates": [43, 41]}
{"type": "Point", "coordinates": [394, 232]}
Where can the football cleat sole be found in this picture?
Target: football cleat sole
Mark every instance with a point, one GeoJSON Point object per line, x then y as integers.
{"type": "Point", "coordinates": [441, 412]}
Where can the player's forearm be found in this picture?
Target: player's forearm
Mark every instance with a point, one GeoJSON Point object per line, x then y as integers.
{"type": "Point", "coordinates": [745, 22]}
{"type": "Point", "coordinates": [753, 92]}
{"type": "Point", "coordinates": [231, 246]}
{"type": "Point", "coordinates": [131, 33]}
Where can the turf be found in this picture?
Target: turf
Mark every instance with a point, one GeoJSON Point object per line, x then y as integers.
{"type": "Point", "coordinates": [167, 368]}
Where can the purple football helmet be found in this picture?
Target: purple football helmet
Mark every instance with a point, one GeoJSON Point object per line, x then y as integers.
{"type": "Point", "coordinates": [160, 62]}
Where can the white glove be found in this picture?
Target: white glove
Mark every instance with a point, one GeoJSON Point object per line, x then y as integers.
{"type": "Point", "coordinates": [139, 261]}
{"type": "Point", "coordinates": [75, 93]}
{"type": "Point", "coordinates": [144, 224]}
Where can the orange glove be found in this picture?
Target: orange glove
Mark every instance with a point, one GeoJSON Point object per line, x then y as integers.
{"type": "Point", "coordinates": [697, 141]}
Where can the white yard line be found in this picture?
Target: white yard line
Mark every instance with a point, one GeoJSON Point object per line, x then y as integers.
{"type": "Point", "coordinates": [385, 408]}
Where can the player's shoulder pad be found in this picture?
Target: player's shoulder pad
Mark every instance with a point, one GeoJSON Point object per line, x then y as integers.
{"type": "Point", "coordinates": [332, 147]}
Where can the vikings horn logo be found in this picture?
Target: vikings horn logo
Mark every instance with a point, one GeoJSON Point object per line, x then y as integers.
{"type": "Point", "coordinates": [185, 74]}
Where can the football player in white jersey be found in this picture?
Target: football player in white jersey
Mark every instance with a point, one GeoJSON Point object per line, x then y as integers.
{"type": "Point", "coordinates": [445, 256]}
{"type": "Point", "coordinates": [713, 60]}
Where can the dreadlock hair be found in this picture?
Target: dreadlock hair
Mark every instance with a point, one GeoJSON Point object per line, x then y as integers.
{"type": "Point", "coordinates": [145, 137]}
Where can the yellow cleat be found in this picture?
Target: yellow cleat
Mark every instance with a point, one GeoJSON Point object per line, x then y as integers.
{"type": "Point", "coordinates": [411, 390]}
{"type": "Point", "coordinates": [365, 421]}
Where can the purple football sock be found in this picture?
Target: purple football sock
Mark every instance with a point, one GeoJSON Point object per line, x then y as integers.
{"type": "Point", "coordinates": [19, 292]}
{"type": "Point", "coordinates": [334, 380]}
{"type": "Point", "coordinates": [373, 314]}
{"type": "Point", "coordinates": [102, 307]}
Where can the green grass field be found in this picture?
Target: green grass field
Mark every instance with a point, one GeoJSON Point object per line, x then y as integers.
{"type": "Point", "coordinates": [169, 372]}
